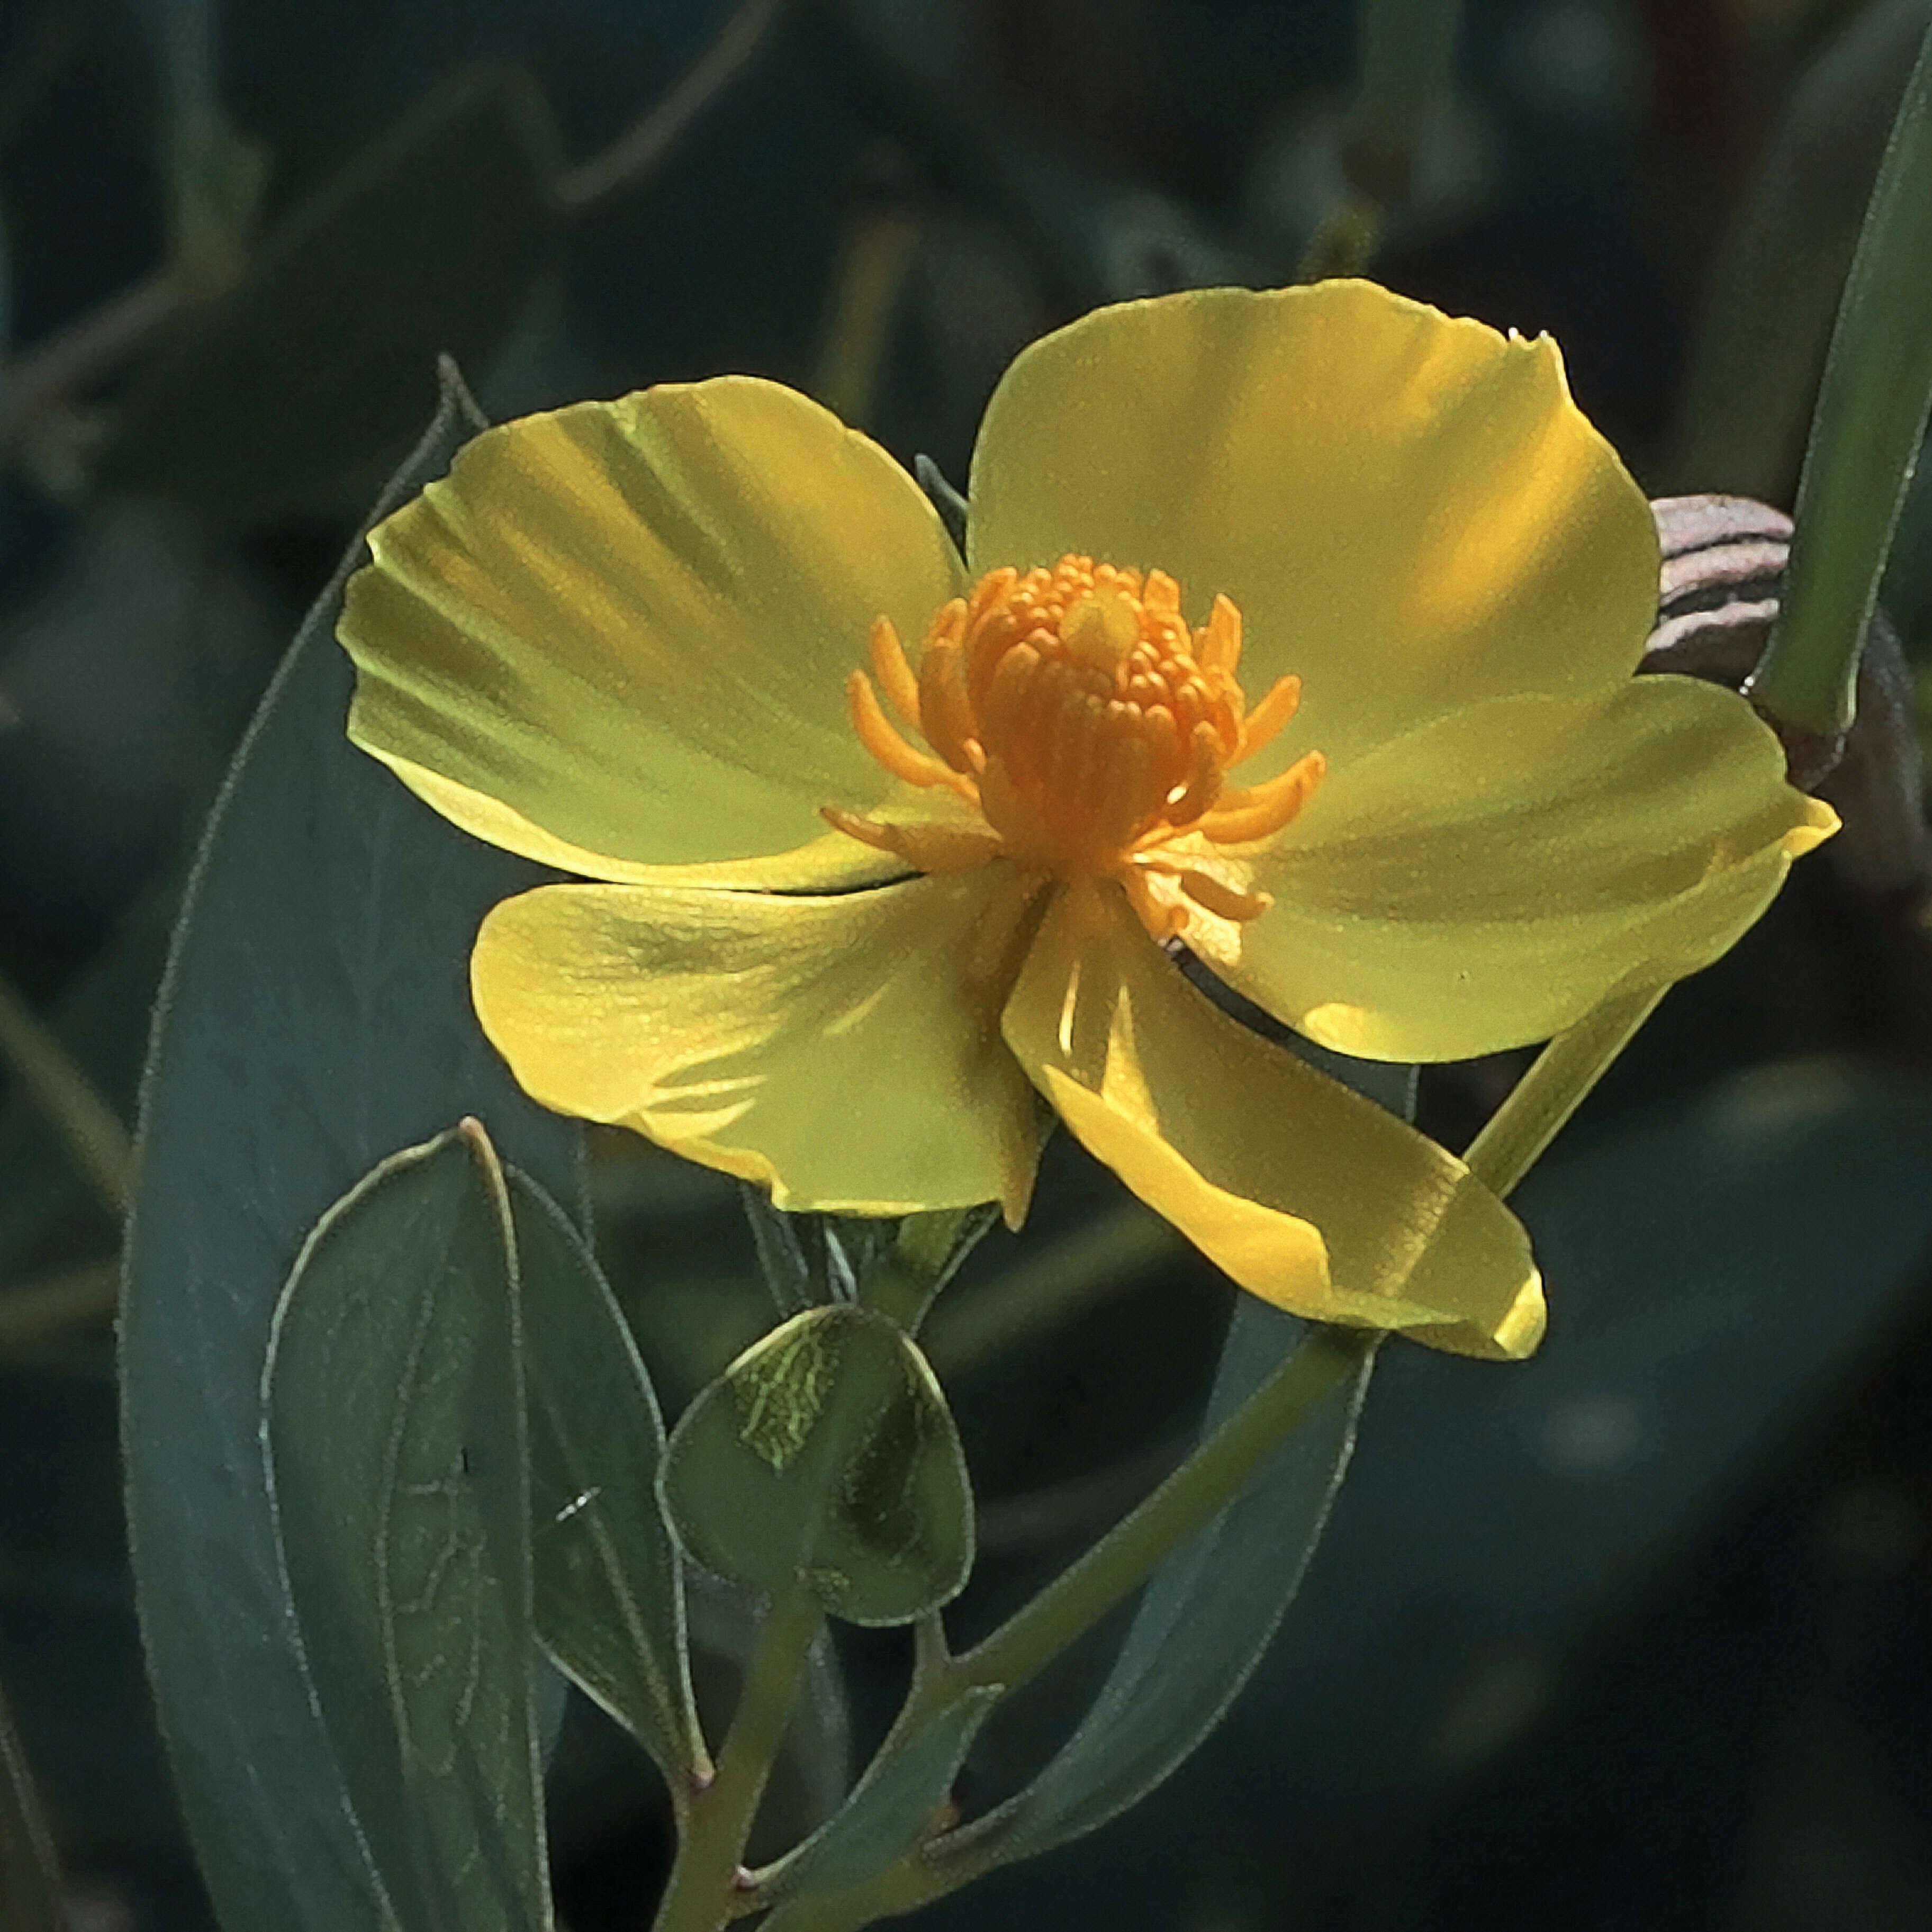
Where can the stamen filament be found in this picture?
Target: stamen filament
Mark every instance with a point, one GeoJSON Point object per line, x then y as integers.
{"type": "Point", "coordinates": [946, 712]}
{"type": "Point", "coordinates": [931, 848]}
{"type": "Point", "coordinates": [1267, 718]}
{"type": "Point", "coordinates": [894, 673]}
{"type": "Point", "coordinates": [1221, 638]}
{"type": "Point", "coordinates": [876, 734]}
{"type": "Point", "coordinates": [1163, 921]}
{"type": "Point", "coordinates": [1203, 779]}
{"type": "Point", "coordinates": [1217, 896]}
{"type": "Point", "coordinates": [1123, 795]}
{"type": "Point", "coordinates": [1264, 808]}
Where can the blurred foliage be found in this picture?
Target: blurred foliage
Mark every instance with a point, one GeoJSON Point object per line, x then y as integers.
{"type": "Point", "coordinates": [1633, 1634]}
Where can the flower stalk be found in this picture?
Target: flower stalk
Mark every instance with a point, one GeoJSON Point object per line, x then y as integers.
{"type": "Point", "coordinates": [1118, 1565]}
{"type": "Point", "coordinates": [1557, 1083]}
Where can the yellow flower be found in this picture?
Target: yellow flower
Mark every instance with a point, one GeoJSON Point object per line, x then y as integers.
{"type": "Point", "coordinates": [840, 955]}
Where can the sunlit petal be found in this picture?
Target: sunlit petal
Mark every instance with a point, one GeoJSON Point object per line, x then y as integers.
{"type": "Point", "coordinates": [845, 1051]}
{"type": "Point", "coordinates": [1486, 880]}
{"type": "Point", "coordinates": [1310, 1196]}
{"type": "Point", "coordinates": [629, 624]}
{"type": "Point", "coordinates": [1409, 510]}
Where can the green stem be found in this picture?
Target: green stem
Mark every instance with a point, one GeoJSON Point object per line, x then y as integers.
{"type": "Point", "coordinates": [710, 1854]}
{"type": "Point", "coordinates": [1559, 1079]}
{"type": "Point", "coordinates": [924, 1256]}
{"type": "Point", "coordinates": [1405, 66]}
{"type": "Point", "coordinates": [1196, 1494]}
{"type": "Point", "coordinates": [45, 1071]}
{"type": "Point", "coordinates": [1118, 1565]}
{"type": "Point", "coordinates": [1210, 1479]}
{"type": "Point", "coordinates": [1865, 436]}
{"type": "Point", "coordinates": [30, 1886]}
{"type": "Point", "coordinates": [45, 1307]}
{"type": "Point", "coordinates": [1345, 244]}
{"type": "Point", "coordinates": [898, 1888]}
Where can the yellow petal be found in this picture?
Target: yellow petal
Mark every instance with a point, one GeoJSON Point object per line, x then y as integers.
{"type": "Point", "coordinates": [1310, 1196]}
{"type": "Point", "coordinates": [831, 862]}
{"type": "Point", "coordinates": [625, 628]}
{"type": "Point", "coordinates": [1486, 880]}
{"type": "Point", "coordinates": [1410, 510]}
{"type": "Point", "coordinates": [844, 1051]}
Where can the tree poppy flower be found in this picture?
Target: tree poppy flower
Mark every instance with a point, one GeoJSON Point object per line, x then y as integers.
{"type": "Point", "coordinates": [1296, 628]}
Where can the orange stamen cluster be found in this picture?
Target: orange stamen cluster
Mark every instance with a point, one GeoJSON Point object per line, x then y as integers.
{"type": "Point", "coordinates": [1089, 726]}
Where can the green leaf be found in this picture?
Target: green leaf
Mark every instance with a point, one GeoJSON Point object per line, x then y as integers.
{"type": "Point", "coordinates": [885, 1815]}
{"type": "Point", "coordinates": [1865, 436]}
{"type": "Point", "coordinates": [826, 1451]}
{"type": "Point", "coordinates": [393, 1417]}
{"type": "Point", "coordinates": [315, 1017]}
{"type": "Point", "coordinates": [285, 391]}
{"type": "Point", "coordinates": [610, 1603]}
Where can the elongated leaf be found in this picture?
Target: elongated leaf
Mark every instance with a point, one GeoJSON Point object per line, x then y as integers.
{"type": "Point", "coordinates": [393, 1417]}
{"type": "Point", "coordinates": [1870, 421]}
{"type": "Point", "coordinates": [315, 1018]}
{"type": "Point", "coordinates": [886, 1813]}
{"type": "Point", "coordinates": [826, 1451]}
{"type": "Point", "coordinates": [610, 1603]}
{"type": "Point", "coordinates": [1212, 1609]}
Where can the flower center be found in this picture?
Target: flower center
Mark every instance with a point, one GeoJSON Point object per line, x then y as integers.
{"type": "Point", "coordinates": [1091, 729]}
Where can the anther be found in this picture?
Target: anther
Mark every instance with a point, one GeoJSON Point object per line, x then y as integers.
{"type": "Point", "coordinates": [1090, 726]}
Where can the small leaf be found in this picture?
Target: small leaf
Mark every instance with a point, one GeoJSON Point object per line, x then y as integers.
{"type": "Point", "coordinates": [610, 1603]}
{"type": "Point", "coordinates": [886, 1814]}
{"type": "Point", "coordinates": [826, 1451]}
{"type": "Point", "coordinates": [393, 1421]}
{"type": "Point", "coordinates": [315, 1017]}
